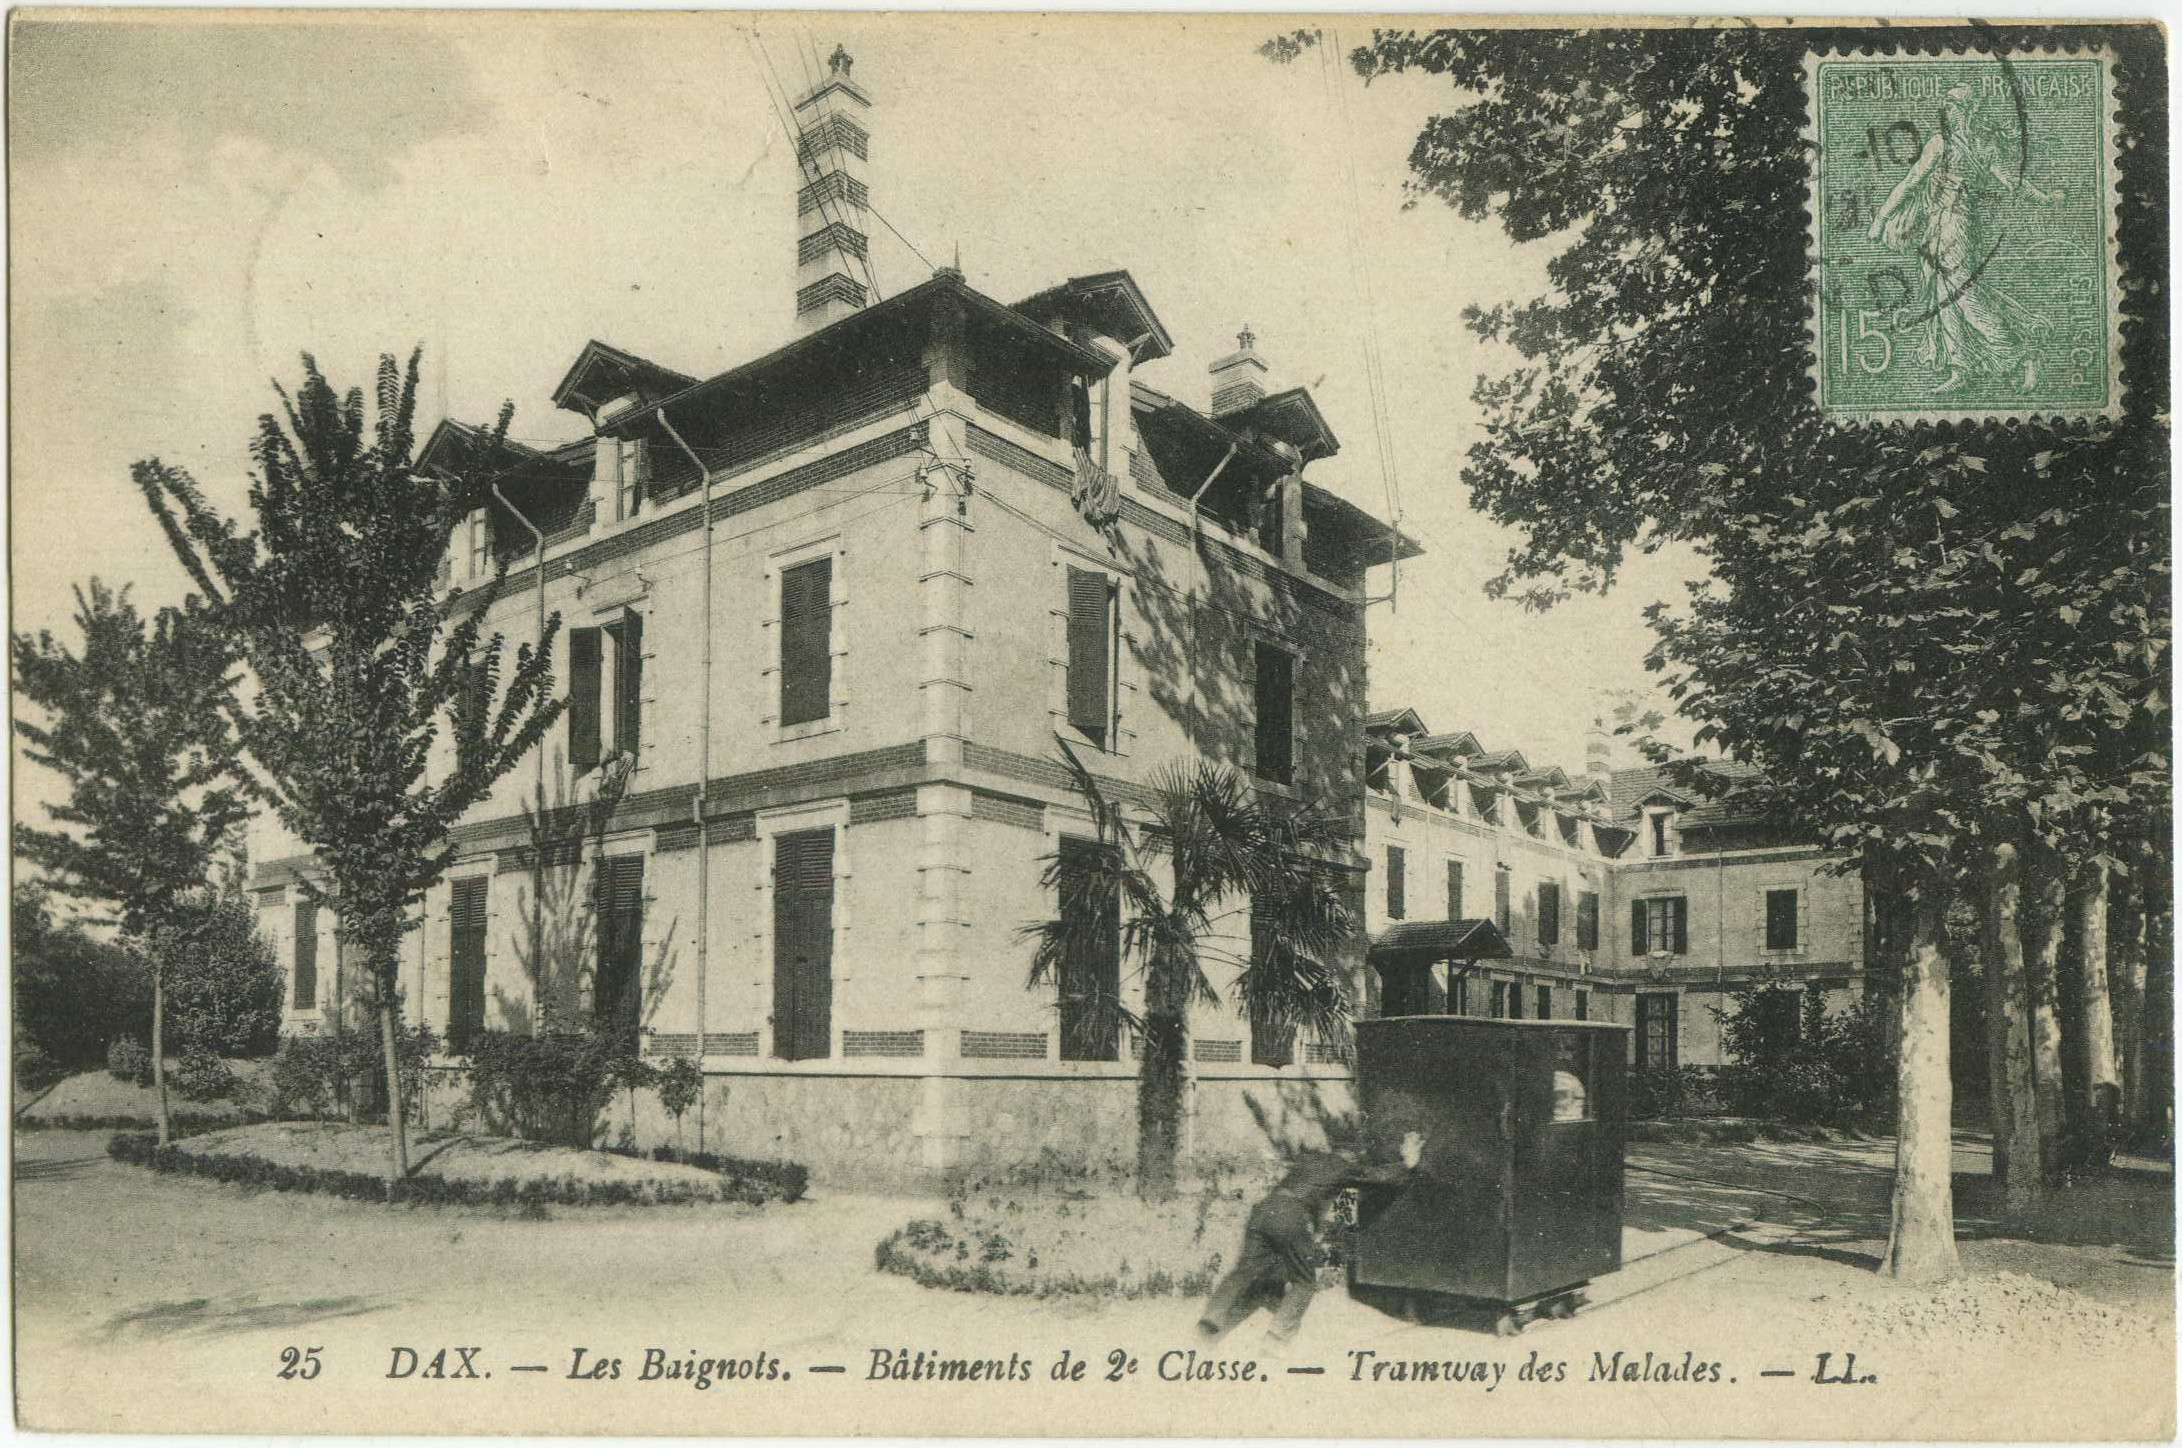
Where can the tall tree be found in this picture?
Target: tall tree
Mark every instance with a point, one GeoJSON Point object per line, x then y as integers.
{"type": "Point", "coordinates": [136, 725]}
{"type": "Point", "coordinates": [1161, 890]}
{"type": "Point", "coordinates": [361, 670]}
{"type": "Point", "coordinates": [1933, 641]}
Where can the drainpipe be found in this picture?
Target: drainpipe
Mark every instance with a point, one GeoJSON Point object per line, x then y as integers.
{"type": "Point", "coordinates": [704, 773]}
{"type": "Point", "coordinates": [537, 882]}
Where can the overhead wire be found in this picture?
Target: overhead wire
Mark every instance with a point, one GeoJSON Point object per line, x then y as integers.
{"type": "Point", "coordinates": [1360, 277]}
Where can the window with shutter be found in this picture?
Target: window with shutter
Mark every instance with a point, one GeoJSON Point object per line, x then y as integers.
{"type": "Point", "coordinates": [617, 987]}
{"type": "Point", "coordinates": [1515, 1000]}
{"type": "Point", "coordinates": [1500, 1000]}
{"type": "Point", "coordinates": [1276, 714]}
{"type": "Point", "coordinates": [806, 642]}
{"type": "Point", "coordinates": [583, 698]}
{"type": "Point", "coordinates": [1458, 995]}
{"type": "Point", "coordinates": [1549, 913]}
{"type": "Point", "coordinates": [466, 963]}
{"type": "Point", "coordinates": [1503, 905]}
{"type": "Point", "coordinates": [1270, 1045]}
{"type": "Point", "coordinates": [1660, 923]}
{"type": "Point", "coordinates": [1587, 920]}
{"type": "Point", "coordinates": [803, 945]}
{"type": "Point", "coordinates": [1090, 982]}
{"type": "Point", "coordinates": [306, 956]}
{"type": "Point", "coordinates": [1454, 889]}
{"type": "Point", "coordinates": [1656, 1043]}
{"type": "Point", "coordinates": [1397, 870]}
{"type": "Point", "coordinates": [1583, 1005]}
{"type": "Point", "coordinates": [1545, 1003]}
{"type": "Point", "coordinates": [1781, 908]}
{"type": "Point", "coordinates": [1091, 653]}
{"type": "Point", "coordinates": [628, 683]}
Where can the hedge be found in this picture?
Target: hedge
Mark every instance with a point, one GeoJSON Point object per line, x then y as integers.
{"type": "Point", "coordinates": [184, 1121]}
{"type": "Point", "coordinates": [753, 1183]}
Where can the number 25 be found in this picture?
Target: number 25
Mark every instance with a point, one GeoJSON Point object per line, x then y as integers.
{"type": "Point", "coordinates": [300, 1363]}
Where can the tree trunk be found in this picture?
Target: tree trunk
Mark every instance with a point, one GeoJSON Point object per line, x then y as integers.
{"type": "Point", "coordinates": [2158, 1014]}
{"type": "Point", "coordinates": [390, 1038]}
{"type": "Point", "coordinates": [1921, 1240]}
{"type": "Point", "coordinates": [2014, 1102]}
{"type": "Point", "coordinates": [1160, 1083]}
{"type": "Point", "coordinates": [2126, 981]}
{"type": "Point", "coordinates": [2041, 937]}
{"type": "Point", "coordinates": [159, 1049]}
{"type": "Point", "coordinates": [2094, 1022]}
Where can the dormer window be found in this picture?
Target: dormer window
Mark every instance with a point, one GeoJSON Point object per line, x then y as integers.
{"type": "Point", "coordinates": [1379, 769]}
{"type": "Point", "coordinates": [1659, 826]}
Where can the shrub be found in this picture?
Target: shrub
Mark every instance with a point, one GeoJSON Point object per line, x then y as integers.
{"type": "Point", "coordinates": [551, 1087]}
{"type": "Point", "coordinates": [34, 1068]}
{"type": "Point", "coordinates": [789, 1179]}
{"type": "Point", "coordinates": [319, 1076]}
{"type": "Point", "coordinates": [1794, 1062]}
{"type": "Point", "coordinates": [129, 1061]}
{"type": "Point", "coordinates": [679, 1082]}
{"type": "Point", "coordinates": [202, 1076]}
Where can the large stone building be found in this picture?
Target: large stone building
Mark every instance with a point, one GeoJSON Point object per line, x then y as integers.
{"type": "Point", "coordinates": [1619, 896]}
{"type": "Point", "coordinates": [823, 617]}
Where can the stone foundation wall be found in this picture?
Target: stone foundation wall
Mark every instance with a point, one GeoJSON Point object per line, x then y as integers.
{"type": "Point", "coordinates": [869, 1131]}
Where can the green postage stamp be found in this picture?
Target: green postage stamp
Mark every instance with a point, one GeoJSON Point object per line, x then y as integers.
{"type": "Point", "coordinates": [1962, 236]}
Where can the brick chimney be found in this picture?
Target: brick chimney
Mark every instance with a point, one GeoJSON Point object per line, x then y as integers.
{"type": "Point", "coordinates": [1598, 754]}
{"type": "Point", "coordinates": [1238, 379]}
{"type": "Point", "coordinates": [833, 228]}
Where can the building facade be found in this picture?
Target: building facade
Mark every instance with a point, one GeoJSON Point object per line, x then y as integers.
{"type": "Point", "coordinates": [823, 618]}
{"type": "Point", "coordinates": [1621, 897]}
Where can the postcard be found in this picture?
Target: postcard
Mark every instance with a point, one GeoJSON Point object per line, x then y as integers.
{"type": "Point", "coordinates": [1090, 725]}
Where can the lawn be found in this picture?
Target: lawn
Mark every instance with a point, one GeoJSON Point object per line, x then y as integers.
{"type": "Point", "coordinates": [100, 1098]}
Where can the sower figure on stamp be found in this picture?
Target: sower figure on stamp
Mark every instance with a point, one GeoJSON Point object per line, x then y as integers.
{"type": "Point", "coordinates": [1941, 211]}
{"type": "Point", "coordinates": [1280, 1253]}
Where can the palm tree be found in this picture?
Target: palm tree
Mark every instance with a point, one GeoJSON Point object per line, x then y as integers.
{"type": "Point", "coordinates": [1226, 853]}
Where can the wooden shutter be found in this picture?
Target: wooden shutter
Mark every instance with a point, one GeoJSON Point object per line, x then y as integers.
{"type": "Point", "coordinates": [1587, 920]}
{"type": "Point", "coordinates": [1549, 913]}
{"type": "Point", "coordinates": [1454, 889]}
{"type": "Point", "coordinates": [1503, 911]}
{"type": "Point", "coordinates": [1640, 938]}
{"type": "Point", "coordinates": [1545, 1003]}
{"type": "Point", "coordinates": [306, 955]}
{"type": "Point", "coordinates": [1583, 1005]}
{"type": "Point", "coordinates": [466, 962]}
{"type": "Point", "coordinates": [803, 945]}
{"type": "Point", "coordinates": [583, 698]}
{"type": "Point", "coordinates": [1269, 1045]}
{"type": "Point", "coordinates": [1515, 1000]}
{"type": "Point", "coordinates": [1643, 1027]}
{"type": "Point", "coordinates": [628, 683]}
{"type": "Point", "coordinates": [1678, 924]}
{"type": "Point", "coordinates": [1079, 416]}
{"type": "Point", "coordinates": [1276, 714]}
{"type": "Point", "coordinates": [1090, 661]}
{"type": "Point", "coordinates": [1091, 974]}
{"type": "Point", "coordinates": [1397, 882]}
{"type": "Point", "coordinates": [616, 993]}
{"type": "Point", "coordinates": [806, 641]}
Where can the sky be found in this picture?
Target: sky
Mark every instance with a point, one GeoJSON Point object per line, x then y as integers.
{"type": "Point", "coordinates": [195, 202]}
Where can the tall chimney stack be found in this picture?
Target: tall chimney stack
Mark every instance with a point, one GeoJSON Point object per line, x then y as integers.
{"type": "Point", "coordinates": [1238, 379]}
{"type": "Point", "coordinates": [1598, 753]}
{"type": "Point", "coordinates": [833, 229]}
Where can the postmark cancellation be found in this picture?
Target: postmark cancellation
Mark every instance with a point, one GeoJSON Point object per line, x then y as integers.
{"type": "Point", "coordinates": [1962, 227]}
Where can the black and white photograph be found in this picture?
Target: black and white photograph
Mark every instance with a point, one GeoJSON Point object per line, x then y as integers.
{"type": "Point", "coordinates": [827, 723]}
